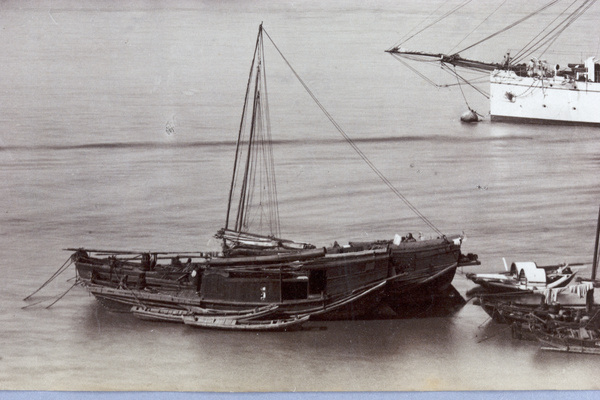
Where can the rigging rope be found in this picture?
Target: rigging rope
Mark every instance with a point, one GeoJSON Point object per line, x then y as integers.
{"type": "Point", "coordinates": [425, 78]}
{"type": "Point", "coordinates": [462, 92]}
{"type": "Point", "coordinates": [522, 53]}
{"type": "Point", "coordinates": [61, 296]}
{"type": "Point", "coordinates": [66, 265]}
{"type": "Point", "coordinates": [354, 146]}
{"type": "Point", "coordinates": [416, 26]}
{"type": "Point", "coordinates": [484, 79]}
{"type": "Point", "coordinates": [477, 27]}
{"type": "Point", "coordinates": [242, 123]}
{"type": "Point", "coordinates": [254, 179]}
{"type": "Point", "coordinates": [510, 26]}
{"type": "Point", "coordinates": [571, 21]}
{"type": "Point", "coordinates": [458, 7]}
{"type": "Point", "coordinates": [270, 159]}
{"type": "Point", "coordinates": [446, 69]}
{"type": "Point", "coordinates": [453, 72]}
{"type": "Point", "coordinates": [553, 34]}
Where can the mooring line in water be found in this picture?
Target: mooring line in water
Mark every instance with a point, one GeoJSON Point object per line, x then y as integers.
{"type": "Point", "coordinates": [468, 300]}
{"type": "Point", "coordinates": [62, 295]}
{"type": "Point", "coordinates": [484, 322]}
{"type": "Point", "coordinates": [496, 334]}
{"type": "Point", "coordinates": [66, 265]}
{"type": "Point", "coordinates": [33, 304]}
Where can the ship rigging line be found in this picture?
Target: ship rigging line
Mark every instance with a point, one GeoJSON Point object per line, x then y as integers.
{"type": "Point", "coordinates": [416, 26]}
{"type": "Point", "coordinates": [458, 7]}
{"type": "Point", "coordinates": [463, 95]}
{"type": "Point", "coordinates": [258, 149]}
{"type": "Point", "coordinates": [551, 37]}
{"type": "Point", "coordinates": [526, 50]}
{"type": "Point", "coordinates": [453, 71]}
{"type": "Point", "coordinates": [484, 79]}
{"type": "Point", "coordinates": [446, 68]}
{"type": "Point", "coordinates": [354, 146]}
{"type": "Point", "coordinates": [239, 139]}
{"type": "Point", "coordinates": [477, 27]}
{"type": "Point", "coordinates": [509, 26]}
{"type": "Point", "coordinates": [425, 78]}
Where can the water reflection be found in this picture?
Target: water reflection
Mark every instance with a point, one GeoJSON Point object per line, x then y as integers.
{"type": "Point", "coordinates": [444, 304]}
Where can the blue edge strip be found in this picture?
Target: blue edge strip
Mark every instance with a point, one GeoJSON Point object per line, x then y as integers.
{"type": "Point", "coordinates": [464, 395]}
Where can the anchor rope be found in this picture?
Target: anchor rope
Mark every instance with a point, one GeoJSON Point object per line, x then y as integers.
{"type": "Point", "coordinates": [61, 296]}
{"type": "Point", "coordinates": [56, 274]}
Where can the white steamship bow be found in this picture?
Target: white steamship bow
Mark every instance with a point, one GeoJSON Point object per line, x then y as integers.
{"type": "Point", "coordinates": [524, 87]}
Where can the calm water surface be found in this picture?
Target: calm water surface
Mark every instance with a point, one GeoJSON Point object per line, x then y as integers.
{"type": "Point", "coordinates": [88, 94]}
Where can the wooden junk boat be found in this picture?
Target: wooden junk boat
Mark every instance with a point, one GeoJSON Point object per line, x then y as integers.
{"type": "Point", "coordinates": [260, 281]}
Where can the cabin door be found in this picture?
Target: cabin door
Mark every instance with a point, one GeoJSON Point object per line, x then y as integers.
{"type": "Point", "coordinates": [317, 282]}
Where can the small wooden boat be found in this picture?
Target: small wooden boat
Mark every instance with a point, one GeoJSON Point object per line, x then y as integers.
{"type": "Point", "coordinates": [229, 323]}
{"type": "Point", "coordinates": [167, 314]}
{"type": "Point", "coordinates": [557, 326]}
{"type": "Point", "coordinates": [508, 308]}
{"type": "Point", "coordinates": [212, 312]}
{"type": "Point", "coordinates": [579, 333]}
{"type": "Point", "coordinates": [571, 340]}
{"type": "Point", "coordinates": [162, 314]}
{"type": "Point", "coordinates": [525, 276]}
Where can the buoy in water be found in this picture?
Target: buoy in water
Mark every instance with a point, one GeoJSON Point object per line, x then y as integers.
{"type": "Point", "coordinates": [470, 116]}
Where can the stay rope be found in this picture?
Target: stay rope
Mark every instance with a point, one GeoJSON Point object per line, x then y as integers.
{"type": "Point", "coordinates": [463, 95]}
{"type": "Point", "coordinates": [571, 20]}
{"type": "Point", "coordinates": [62, 295]}
{"type": "Point", "coordinates": [258, 204]}
{"type": "Point", "coordinates": [477, 27]}
{"type": "Point", "coordinates": [458, 76]}
{"type": "Point", "coordinates": [549, 38]}
{"type": "Point", "coordinates": [524, 52]}
{"type": "Point", "coordinates": [425, 78]}
{"type": "Point", "coordinates": [447, 14]}
{"type": "Point", "coordinates": [525, 18]}
{"type": "Point", "coordinates": [354, 146]}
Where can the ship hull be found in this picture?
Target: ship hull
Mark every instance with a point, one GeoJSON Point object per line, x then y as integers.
{"type": "Point", "coordinates": [420, 270]}
{"type": "Point", "coordinates": [345, 284]}
{"type": "Point", "coordinates": [552, 100]}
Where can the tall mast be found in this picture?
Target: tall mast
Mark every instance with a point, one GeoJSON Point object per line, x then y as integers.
{"type": "Point", "coordinates": [239, 139]}
{"type": "Point", "coordinates": [243, 194]}
{"type": "Point", "coordinates": [595, 264]}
